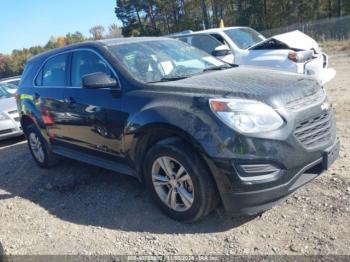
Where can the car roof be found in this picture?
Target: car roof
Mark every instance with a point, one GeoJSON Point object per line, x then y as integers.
{"type": "Point", "coordinates": [207, 31]}
{"type": "Point", "coordinates": [219, 29]}
{"type": "Point", "coordinates": [8, 79]}
{"type": "Point", "coordinates": [99, 43]}
{"type": "Point", "coordinates": [127, 40]}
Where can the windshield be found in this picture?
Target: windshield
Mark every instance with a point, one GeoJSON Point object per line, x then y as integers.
{"type": "Point", "coordinates": [163, 60]}
{"type": "Point", "coordinates": [4, 93]}
{"type": "Point", "coordinates": [10, 87]}
{"type": "Point", "coordinates": [244, 37]}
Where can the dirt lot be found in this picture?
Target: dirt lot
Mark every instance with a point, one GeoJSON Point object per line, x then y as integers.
{"type": "Point", "coordinates": [78, 209]}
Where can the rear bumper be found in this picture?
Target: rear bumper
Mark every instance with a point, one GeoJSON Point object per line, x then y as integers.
{"type": "Point", "coordinates": [253, 200]}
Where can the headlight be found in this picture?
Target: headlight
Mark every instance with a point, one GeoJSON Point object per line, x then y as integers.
{"type": "Point", "coordinates": [2, 116]}
{"type": "Point", "coordinates": [246, 116]}
{"type": "Point", "coordinates": [301, 56]}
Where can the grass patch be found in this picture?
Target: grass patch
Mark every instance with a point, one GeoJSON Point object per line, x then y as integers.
{"type": "Point", "coordinates": [335, 45]}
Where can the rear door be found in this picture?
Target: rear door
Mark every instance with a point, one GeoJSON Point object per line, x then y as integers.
{"type": "Point", "coordinates": [94, 116]}
{"type": "Point", "coordinates": [48, 95]}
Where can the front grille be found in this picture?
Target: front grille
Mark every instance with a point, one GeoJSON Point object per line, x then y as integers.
{"type": "Point", "coordinates": [16, 119]}
{"type": "Point", "coordinates": [13, 112]}
{"type": "Point", "coordinates": [6, 131]}
{"type": "Point", "coordinates": [307, 100]}
{"type": "Point", "coordinates": [315, 132]}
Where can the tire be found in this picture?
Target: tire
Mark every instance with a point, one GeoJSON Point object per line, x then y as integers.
{"type": "Point", "coordinates": [39, 148]}
{"type": "Point", "coordinates": [195, 197]}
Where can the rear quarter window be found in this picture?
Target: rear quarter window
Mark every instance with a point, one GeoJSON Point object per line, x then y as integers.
{"type": "Point", "coordinates": [53, 73]}
{"type": "Point", "coordinates": [29, 73]}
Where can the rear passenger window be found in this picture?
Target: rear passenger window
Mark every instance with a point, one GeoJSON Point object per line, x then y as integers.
{"type": "Point", "coordinates": [205, 42]}
{"type": "Point", "coordinates": [54, 72]}
{"type": "Point", "coordinates": [39, 79]}
{"type": "Point", "coordinates": [85, 63]}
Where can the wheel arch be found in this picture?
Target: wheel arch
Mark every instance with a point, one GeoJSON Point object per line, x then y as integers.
{"type": "Point", "coordinates": [156, 132]}
{"type": "Point", "coordinates": [26, 121]}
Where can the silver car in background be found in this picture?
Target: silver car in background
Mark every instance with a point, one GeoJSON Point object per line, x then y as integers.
{"type": "Point", "coordinates": [9, 119]}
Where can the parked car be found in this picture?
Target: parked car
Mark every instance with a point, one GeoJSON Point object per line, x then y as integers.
{"type": "Point", "coordinates": [9, 117]}
{"type": "Point", "coordinates": [293, 51]}
{"type": "Point", "coordinates": [11, 84]}
{"type": "Point", "coordinates": [195, 130]}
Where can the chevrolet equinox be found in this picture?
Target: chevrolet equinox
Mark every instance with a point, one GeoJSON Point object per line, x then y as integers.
{"type": "Point", "coordinates": [197, 132]}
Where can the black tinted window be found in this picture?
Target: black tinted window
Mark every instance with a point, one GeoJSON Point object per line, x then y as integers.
{"type": "Point", "coordinates": [205, 42]}
{"type": "Point", "coordinates": [54, 71]}
{"type": "Point", "coordinates": [87, 62]}
{"type": "Point", "coordinates": [4, 92]}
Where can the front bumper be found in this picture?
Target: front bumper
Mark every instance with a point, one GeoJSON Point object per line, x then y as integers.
{"type": "Point", "coordinates": [9, 128]}
{"type": "Point", "coordinates": [253, 199]}
{"type": "Point", "coordinates": [319, 69]}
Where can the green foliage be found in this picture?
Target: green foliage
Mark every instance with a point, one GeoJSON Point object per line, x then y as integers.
{"type": "Point", "coordinates": [159, 17]}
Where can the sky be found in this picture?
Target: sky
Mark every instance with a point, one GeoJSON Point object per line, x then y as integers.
{"type": "Point", "coordinates": [26, 23]}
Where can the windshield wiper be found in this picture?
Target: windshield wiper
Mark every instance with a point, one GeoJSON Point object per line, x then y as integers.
{"type": "Point", "coordinates": [213, 68]}
{"type": "Point", "coordinates": [170, 78]}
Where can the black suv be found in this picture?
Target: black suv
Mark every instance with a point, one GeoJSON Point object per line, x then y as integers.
{"type": "Point", "coordinates": [195, 130]}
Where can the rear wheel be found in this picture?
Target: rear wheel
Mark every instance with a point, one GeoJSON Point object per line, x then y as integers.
{"type": "Point", "coordinates": [39, 148]}
{"type": "Point", "coordinates": [179, 181]}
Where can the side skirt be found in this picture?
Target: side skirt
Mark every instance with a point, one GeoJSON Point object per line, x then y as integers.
{"type": "Point", "coordinates": [93, 160]}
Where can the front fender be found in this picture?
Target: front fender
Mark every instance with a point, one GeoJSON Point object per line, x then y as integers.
{"type": "Point", "coordinates": [199, 128]}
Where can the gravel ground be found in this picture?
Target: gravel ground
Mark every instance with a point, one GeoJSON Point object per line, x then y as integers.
{"type": "Point", "coordinates": [79, 209]}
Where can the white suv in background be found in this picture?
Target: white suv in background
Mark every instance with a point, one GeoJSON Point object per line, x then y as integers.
{"type": "Point", "coordinates": [292, 52]}
{"type": "Point", "coordinates": [9, 119]}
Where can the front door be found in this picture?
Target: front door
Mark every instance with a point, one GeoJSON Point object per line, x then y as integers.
{"type": "Point", "coordinates": [95, 117]}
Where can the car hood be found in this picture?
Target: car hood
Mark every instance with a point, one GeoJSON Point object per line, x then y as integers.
{"type": "Point", "coordinates": [271, 86]}
{"type": "Point", "coordinates": [295, 40]}
{"type": "Point", "coordinates": [7, 104]}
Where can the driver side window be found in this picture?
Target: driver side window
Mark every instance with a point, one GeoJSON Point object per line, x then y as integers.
{"type": "Point", "coordinates": [85, 63]}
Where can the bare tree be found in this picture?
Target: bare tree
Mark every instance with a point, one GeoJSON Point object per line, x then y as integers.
{"type": "Point", "coordinates": [97, 32]}
{"type": "Point", "coordinates": [114, 31]}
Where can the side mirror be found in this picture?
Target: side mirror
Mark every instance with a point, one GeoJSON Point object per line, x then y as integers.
{"type": "Point", "coordinates": [98, 80]}
{"type": "Point", "coordinates": [222, 50]}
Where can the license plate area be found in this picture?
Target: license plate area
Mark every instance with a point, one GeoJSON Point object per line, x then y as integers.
{"type": "Point", "coordinates": [331, 155]}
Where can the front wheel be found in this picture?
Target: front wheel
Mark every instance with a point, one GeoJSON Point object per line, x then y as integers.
{"type": "Point", "coordinates": [179, 181]}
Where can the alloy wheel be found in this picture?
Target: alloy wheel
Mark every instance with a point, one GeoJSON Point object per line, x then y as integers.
{"type": "Point", "coordinates": [172, 184]}
{"type": "Point", "coordinates": [37, 148]}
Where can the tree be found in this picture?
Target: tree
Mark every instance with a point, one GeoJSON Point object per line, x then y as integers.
{"type": "Point", "coordinates": [339, 5]}
{"type": "Point", "coordinates": [76, 37]}
{"type": "Point", "coordinates": [97, 32]}
{"type": "Point", "coordinates": [61, 41]}
{"type": "Point", "coordinates": [114, 31]}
